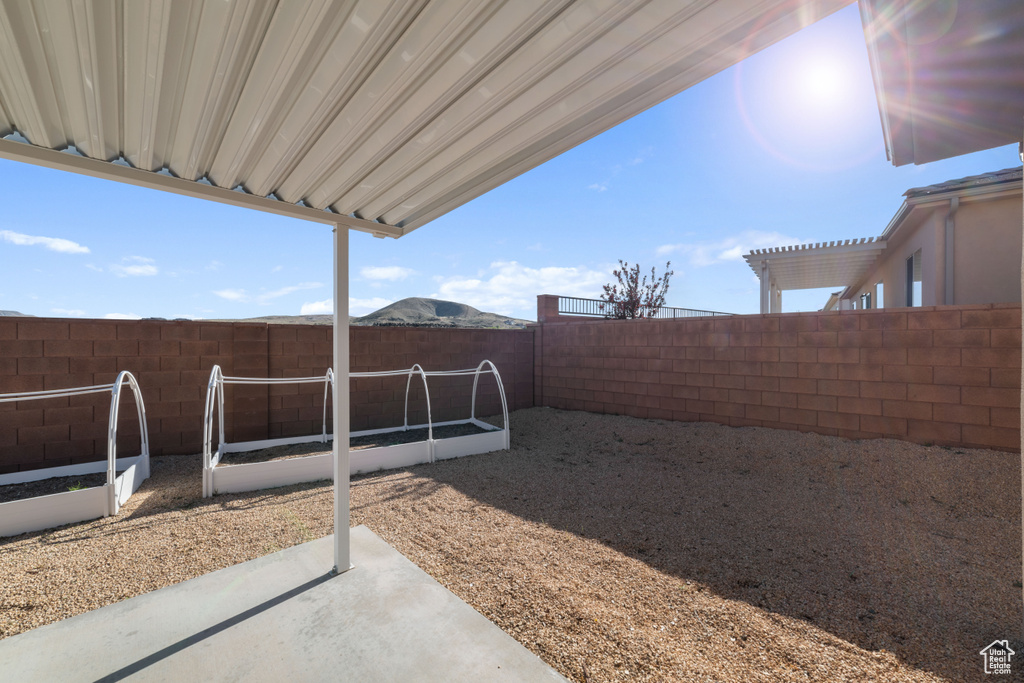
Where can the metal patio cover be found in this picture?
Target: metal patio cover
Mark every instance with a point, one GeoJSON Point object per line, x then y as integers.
{"type": "Point", "coordinates": [372, 114]}
{"type": "Point", "coordinates": [948, 75]}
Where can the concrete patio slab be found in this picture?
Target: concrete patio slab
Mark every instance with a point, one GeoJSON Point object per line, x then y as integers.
{"type": "Point", "coordinates": [282, 617]}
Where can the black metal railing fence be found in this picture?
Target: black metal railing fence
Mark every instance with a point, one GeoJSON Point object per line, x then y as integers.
{"type": "Point", "coordinates": [571, 305]}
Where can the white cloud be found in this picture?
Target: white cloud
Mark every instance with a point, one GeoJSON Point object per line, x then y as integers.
{"type": "Point", "coordinates": [214, 265]}
{"type": "Point", "coordinates": [136, 270]}
{"type": "Point", "coordinates": [122, 316]}
{"type": "Point", "coordinates": [285, 291]}
{"type": "Point", "coordinates": [276, 269]}
{"type": "Point", "coordinates": [734, 254]}
{"type": "Point", "coordinates": [265, 298]}
{"type": "Point", "coordinates": [615, 170]}
{"type": "Point", "coordinates": [728, 249]}
{"type": "Point", "coordinates": [135, 266]}
{"type": "Point", "coordinates": [52, 243]}
{"type": "Point", "coordinates": [512, 288]}
{"type": "Point", "coordinates": [355, 306]}
{"type": "Point", "coordinates": [364, 306]}
{"type": "Point", "coordinates": [71, 312]}
{"type": "Point", "coordinates": [325, 307]}
{"type": "Point", "coordinates": [386, 272]}
{"type": "Point", "coordinates": [641, 156]}
{"type": "Point", "coordinates": [231, 294]}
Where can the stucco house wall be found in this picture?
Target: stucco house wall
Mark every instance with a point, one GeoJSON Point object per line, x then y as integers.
{"type": "Point", "coordinates": [986, 254]}
{"type": "Point", "coordinates": [988, 251]}
{"type": "Point", "coordinates": [891, 271]}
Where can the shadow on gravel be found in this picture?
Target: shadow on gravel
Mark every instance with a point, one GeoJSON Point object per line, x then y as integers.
{"type": "Point", "coordinates": [175, 484]}
{"type": "Point", "coordinates": [885, 545]}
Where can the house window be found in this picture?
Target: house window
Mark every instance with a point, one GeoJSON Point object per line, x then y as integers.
{"type": "Point", "coordinates": [879, 295]}
{"type": "Point", "coordinates": [865, 300]}
{"type": "Point", "coordinates": [914, 279]}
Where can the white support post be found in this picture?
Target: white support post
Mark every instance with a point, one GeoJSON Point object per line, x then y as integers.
{"type": "Point", "coordinates": [1021, 152]}
{"type": "Point", "coordinates": [773, 306]}
{"type": "Point", "coordinates": [765, 287]}
{"type": "Point", "coordinates": [342, 555]}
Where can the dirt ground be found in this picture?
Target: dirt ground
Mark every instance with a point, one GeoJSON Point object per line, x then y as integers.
{"type": "Point", "coordinates": [46, 487]}
{"type": "Point", "coordinates": [620, 549]}
{"type": "Point", "coordinates": [356, 443]}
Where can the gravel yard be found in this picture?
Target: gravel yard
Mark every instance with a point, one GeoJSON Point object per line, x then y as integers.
{"type": "Point", "coordinates": [620, 549]}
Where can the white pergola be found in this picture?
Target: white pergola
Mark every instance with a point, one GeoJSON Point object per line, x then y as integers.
{"type": "Point", "coordinates": [369, 115]}
{"type": "Point", "coordinates": [811, 266]}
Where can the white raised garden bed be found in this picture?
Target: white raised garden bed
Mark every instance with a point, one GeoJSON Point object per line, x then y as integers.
{"type": "Point", "coordinates": [228, 478]}
{"type": "Point", "coordinates": [45, 512]}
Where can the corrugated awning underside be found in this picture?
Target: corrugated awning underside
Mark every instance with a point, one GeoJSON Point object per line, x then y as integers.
{"type": "Point", "coordinates": [385, 114]}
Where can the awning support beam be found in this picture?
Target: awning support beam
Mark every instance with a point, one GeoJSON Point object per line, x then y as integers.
{"type": "Point", "coordinates": [64, 161]}
{"type": "Point", "coordinates": [1022, 397]}
{"type": "Point", "coordinates": [340, 403]}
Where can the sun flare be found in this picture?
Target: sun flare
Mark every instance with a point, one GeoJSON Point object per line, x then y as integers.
{"type": "Point", "coordinates": [811, 105]}
{"type": "Point", "coordinates": [820, 85]}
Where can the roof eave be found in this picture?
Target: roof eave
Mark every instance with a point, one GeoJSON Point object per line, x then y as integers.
{"type": "Point", "coordinates": [1011, 188]}
{"type": "Point", "coordinates": [889, 108]}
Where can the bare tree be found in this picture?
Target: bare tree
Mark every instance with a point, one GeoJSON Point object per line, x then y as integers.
{"type": "Point", "coordinates": [633, 297]}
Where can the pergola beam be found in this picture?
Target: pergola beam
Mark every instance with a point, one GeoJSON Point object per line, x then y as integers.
{"type": "Point", "coordinates": [823, 250]}
{"type": "Point", "coordinates": [811, 266]}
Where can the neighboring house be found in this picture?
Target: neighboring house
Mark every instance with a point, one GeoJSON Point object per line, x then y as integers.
{"type": "Point", "coordinates": [957, 242]}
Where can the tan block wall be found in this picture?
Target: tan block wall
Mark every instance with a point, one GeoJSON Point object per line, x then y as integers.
{"type": "Point", "coordinates": [942, 375]}
{"type": "Point", "coordinates": [380, 402]}
{"type": "Point", "coordinates": [172, 361]}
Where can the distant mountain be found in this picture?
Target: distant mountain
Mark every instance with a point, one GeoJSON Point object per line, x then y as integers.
{"type": "Point", "coordinates": [411, 312]}
{"type": "Point", "coordinates": [15, 314]}
{"type": "Point", "coordinates": [419, 312]}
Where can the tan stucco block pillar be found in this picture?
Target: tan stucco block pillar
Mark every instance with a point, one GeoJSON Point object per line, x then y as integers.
{"type": "Point", "coordinates": [547, 308]}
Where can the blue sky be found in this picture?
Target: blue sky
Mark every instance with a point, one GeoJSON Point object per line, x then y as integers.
{"type": "Point", "coordinates": [783, 149]}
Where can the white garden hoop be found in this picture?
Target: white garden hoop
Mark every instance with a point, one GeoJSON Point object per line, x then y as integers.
{"type": "Point", "coordinates": [227, 478]}
{"type": "Point", "coordinates": [44, 512]}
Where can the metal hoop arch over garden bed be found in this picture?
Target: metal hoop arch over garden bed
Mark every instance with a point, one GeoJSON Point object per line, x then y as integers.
{"type": "Point", "coordinates": [253, 476]}
{"type": "Point", "coordinates": [44, 512]}
{"type": "Point", "coordinates": [215, 400]}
